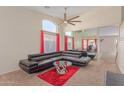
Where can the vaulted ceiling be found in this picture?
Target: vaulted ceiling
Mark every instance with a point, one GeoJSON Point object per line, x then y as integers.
{"type": "Point", "coordinates": [91, 16]}
{"type": "Point", "coordinates": [58, 11]}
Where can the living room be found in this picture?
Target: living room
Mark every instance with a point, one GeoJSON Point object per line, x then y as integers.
{"type": "Point", "coordinates": [28, 33]}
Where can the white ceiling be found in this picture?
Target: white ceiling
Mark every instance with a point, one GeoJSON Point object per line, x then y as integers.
{"type": "Point", "coordinates": [58, 11]}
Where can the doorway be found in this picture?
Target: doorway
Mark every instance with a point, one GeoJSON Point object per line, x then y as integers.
{"type": "Point", "coordinates": [108, 47]}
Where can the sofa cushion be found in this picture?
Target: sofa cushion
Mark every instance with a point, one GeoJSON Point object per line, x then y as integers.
{"type": "Point", "coordinates": [56, 58]}
{"type": "Point", "coordinates": [44, 62]}
{"type": "Point", "coordinates": [84, 54]}
{"type": "Point", "coordinates": [71, 55]}
{"type": "Point", "coordinates": [34, 55]}
{"type": "Point", "coordinates": [72, 52]}
{"type": "Point", "coordinates": [28, 63]}
{"type": "Point", "coordinates": [44, 57]}
{"type": "Point", "coordinates": [91, 53]}
{"type": "Point", "coordinates": [52, 53]}
{"type": "Point", "coordinates": [45, 54]}
{"type": "Point", "coordinates": [69, 58]}
{"type": "Point", "coordinates": [81, 60]}
{"type": "Point", "coordinates": [86, 59]}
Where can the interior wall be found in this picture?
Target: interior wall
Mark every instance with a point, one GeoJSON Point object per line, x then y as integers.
{"type": "Point", "coordinates": [120, 58]}
{"type": "Point", "coordinates": [61, 37]}
{"type": "Point", "coordinates": [108, 45]}
{"type": "Point", "coordinates": [109, 31]}
{"type": "Point", "coordinates": [108, 38]}
{"type": "Point", "coordinates": [78, 39]}
{"type": "Point", "coordinates": [19, 35]}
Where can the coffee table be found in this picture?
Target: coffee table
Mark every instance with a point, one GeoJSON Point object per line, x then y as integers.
{"type": "Point", "coordinates": [61, 66]}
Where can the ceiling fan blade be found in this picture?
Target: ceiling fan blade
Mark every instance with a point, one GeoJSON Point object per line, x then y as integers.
{"type": "Point", "coordinates": [73, 18]}
{"type": "Point", "coordinates": [75, 21]}
{"type": "Point", "coordinates": [71, 23]}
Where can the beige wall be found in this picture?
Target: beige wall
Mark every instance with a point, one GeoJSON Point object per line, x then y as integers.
{"type": "Point", "coordinates": [19, 35]}
{"type": "Point", "coordinates": [61, 37]}
{"type": "Point", "coordinates": [108, 41]}
{"type": "Point", "coordinates": [78, 39]}
{"type": "Point", "coordinates": [120, 59]}
{"type": "Point", "coordinates": [104, 16]}
{"type": "Point", "coordinates": [108, 45]}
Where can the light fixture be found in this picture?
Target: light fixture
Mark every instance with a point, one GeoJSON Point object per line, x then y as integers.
{"type": "Point", "coordinates": [71, 21]}
{"type": "Point", "coordinates": [65, 22]}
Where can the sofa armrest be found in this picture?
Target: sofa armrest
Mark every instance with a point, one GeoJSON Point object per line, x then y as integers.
{"type": "Point", "coordinates": [86, 59]}
{"type": "Point", "coordinates": [28, 63]}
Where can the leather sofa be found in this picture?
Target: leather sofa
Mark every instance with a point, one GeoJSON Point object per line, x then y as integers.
{"type": "Point", "coordinates": [91, 52]}
{"type": "Point", "coordinates": [39, 62]}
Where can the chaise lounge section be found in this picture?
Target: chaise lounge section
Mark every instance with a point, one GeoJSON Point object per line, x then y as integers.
{"type": "Point", "coordinates": [39, 62]}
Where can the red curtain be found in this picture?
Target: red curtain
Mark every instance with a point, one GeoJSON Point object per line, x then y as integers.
{"type": "Point", "coordinates": [42, 42]}
{"type": "Point", "coordinates": [96, 43]}
{"type": "Point", "coordinates": [57, 42]}
{"type": "Point", "coordinates": [73, 42]}
{"type": "Point", "coordinates": [82, 43]}
{"type": "Point", "coordinates": [87, 43]}
{"type": "Point", "coordinates": [66, 43]}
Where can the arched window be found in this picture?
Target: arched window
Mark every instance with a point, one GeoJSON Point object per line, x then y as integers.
{"type": "Point", "coordinates": [50, 37]}
{"type": "Point", "coordinates": [49, 26]}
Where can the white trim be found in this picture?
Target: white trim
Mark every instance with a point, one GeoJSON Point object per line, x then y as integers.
{"type": "Point", "coordinates": [9, 71]}
{"type": "Point", "coordinates": [49, 33]}
{"type": "Point", "coordinates": [57, 28]}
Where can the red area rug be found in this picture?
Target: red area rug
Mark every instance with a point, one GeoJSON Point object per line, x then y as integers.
{"type": "Point", "coordinates": [54, 78]}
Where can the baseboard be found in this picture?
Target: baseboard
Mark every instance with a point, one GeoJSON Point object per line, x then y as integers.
{"type": "Point", "coordinates": [9, 71]}
{"type": "Point", "coordinates": [119, 67]}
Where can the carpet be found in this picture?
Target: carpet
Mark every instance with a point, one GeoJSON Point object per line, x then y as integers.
{"type": "Point", "coordinates": [56, 79]}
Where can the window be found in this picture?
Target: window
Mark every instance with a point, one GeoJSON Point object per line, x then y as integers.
{"type": "Point", "coordinates": [69, 43]}
{"type": "Point", "coordinates": [49, 43]}
{"type": "Point", "coordinates": [87, 42]}
{"type": "Point", "coordinates": [50, 30]}
{"type": "Point", "coordinates": [68, 33]}
{"type": "Point", "coordinates": [49, 26]}
{"type": "Point", "coordinates": [92, 42]}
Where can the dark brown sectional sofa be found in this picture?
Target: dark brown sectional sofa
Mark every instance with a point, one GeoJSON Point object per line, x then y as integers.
{"type": "Point", "coordinates": [39, 62]}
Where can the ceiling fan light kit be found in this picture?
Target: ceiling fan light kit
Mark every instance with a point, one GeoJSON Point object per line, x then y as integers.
{"type": "Point", "coordinates": [65, 22]}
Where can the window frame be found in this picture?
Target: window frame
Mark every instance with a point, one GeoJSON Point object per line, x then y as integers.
{"type": "Point", "coordinates": [53, 24]}
{"type": "Point", "coordinates": [69, 35]}
{"type": "Point", "coordinates": [51, 34]}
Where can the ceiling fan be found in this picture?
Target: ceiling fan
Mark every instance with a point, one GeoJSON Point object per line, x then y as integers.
{"type": "Point", "coordinates": [72, 20]}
